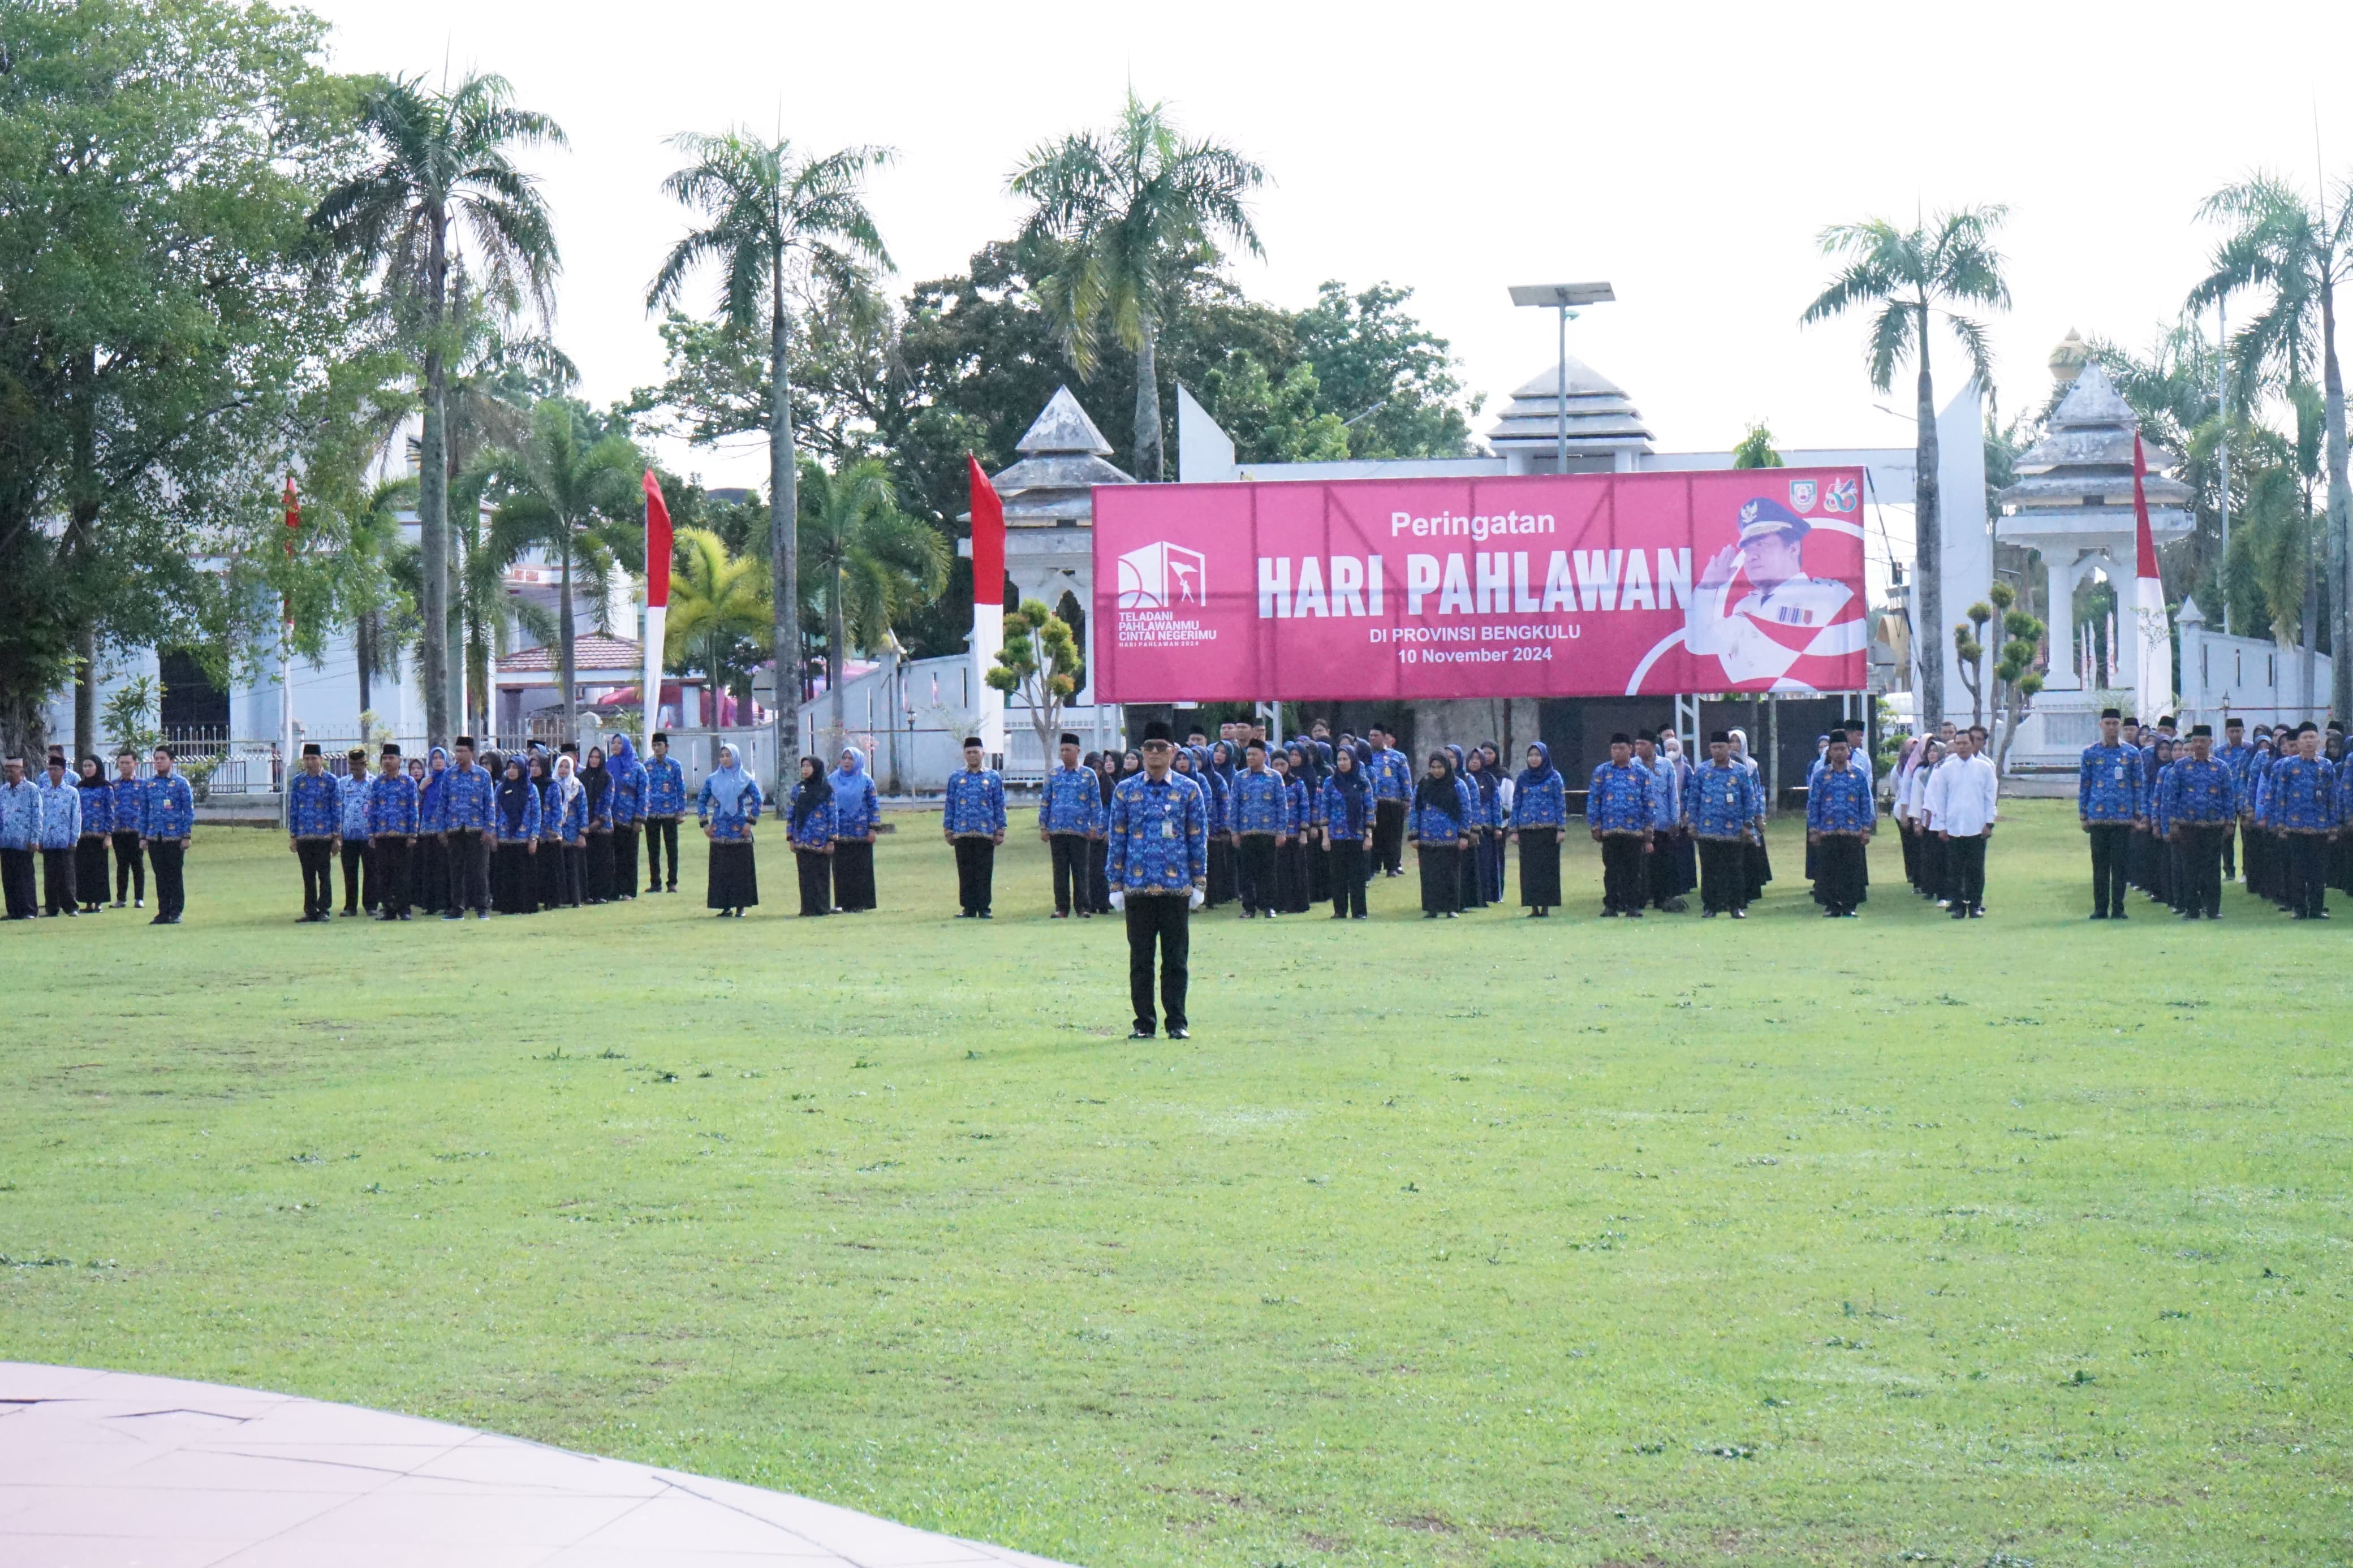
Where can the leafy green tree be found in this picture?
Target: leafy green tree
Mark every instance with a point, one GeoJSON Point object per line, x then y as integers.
{"type": "Point", "coordinates": [164, 348]}
{"type": "Point", "coordinates": [443, 174]}
{"type": "Point", "coordinates": [1270, 421]}
{"type": "Point", "coordinates": [772, 214]}
{"type": "Point", "coordinates": [1387, 378]}
{"type": "Point", "coordinates": [868, 563]}
{"type": "Point", "coordinates": [2018, 675]}
{"type": "Point", "coordinates": [1127, 204]}
{"type": "Point", "coordinates": [1909, 277]}
{"type": "Point", "coordinates": [2294, 257]}
{"type": "Point", "coordinates": [719, 610]}
{"type": "Point", "coordinates": [575, 500]}
{"type": "Point", "coordinates": [1039, 666]}
{"type": "Point", "coordinates": [1755, 450]}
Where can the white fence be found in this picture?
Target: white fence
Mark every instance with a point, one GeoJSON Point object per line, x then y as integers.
{"type": "Point", "coordinates": [912, 718]}
{"type": "Point", "coordinates": [2252, 679]}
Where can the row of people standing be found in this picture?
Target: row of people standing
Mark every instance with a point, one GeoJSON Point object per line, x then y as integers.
{"type": "Point", "coordinates": [1947, 802]}
{"type": "Point", "coordinates": [72, 822]}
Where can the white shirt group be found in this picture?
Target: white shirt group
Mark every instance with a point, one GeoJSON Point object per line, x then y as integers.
{"type": "Point", "coordinates": [1959, 796]}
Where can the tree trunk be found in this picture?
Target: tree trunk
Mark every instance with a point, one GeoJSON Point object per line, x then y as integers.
{"type": "Point", "coordinates": [433, 497]}
{"type": "Point", "coordinates": [835, 659]}
{"type": "Point", "coordinates": [564, 639]}
{"type": "Point", "coordinates": [1147, 405]}
{"type": "Point", "coordinates": [362, 659]}
{"type": "Point", "coordinates": [2340, 514]}
{"type": "Point", "coordinates": [86, 692]}
{"type": "Point", "coordinates": [784, 535]}
{"type": "Point", "coordinates": [1931, 635]}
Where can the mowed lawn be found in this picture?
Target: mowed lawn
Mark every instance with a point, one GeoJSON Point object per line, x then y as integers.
{"type": "Point", "coordinates": [1887, 1240]}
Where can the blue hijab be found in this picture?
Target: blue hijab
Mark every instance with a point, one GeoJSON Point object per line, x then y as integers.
{"type": "Point", "coordinates": [1536, 778]}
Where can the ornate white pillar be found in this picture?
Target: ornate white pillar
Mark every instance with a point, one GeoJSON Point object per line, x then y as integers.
{"type": "Point", "coordinates": [2062, 675]}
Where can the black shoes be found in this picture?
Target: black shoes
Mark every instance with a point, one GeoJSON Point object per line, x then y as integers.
{"type": "Point", "coordinates": [1178, 1032]}
{"type": "Point", "coordinates": [1142, 1034]}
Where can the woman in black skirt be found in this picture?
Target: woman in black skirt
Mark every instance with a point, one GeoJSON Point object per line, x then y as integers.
{"type": "Point", "coordinates": [514, 827]}
{"type": "Point", "coordinates": [547, 861]}
{"type": "Point", "coordinates": [856, 815]}
{"type": "Point", "coordinates": [572, 814]}
{"type": "Point", "coordinates": [1291, 855]}
{"type": "Point", "coordinates": [727, 808]}
{"type": "Point", "coordinates": [1106, 767]}
{"type": "Point", "coordinates": [811, 834]}
{"type": "Point", "coordinates": [596, 783]}
{"type": "Point", "coordinates": [1760, 858]}
{"type": "Point", "coordinates": [1347, 816]}
{"type": "Point", "coordinates": [1437, 828]}
{"type": "Point", "coordinates": [1539, 813]}
{"type": "Point", "coordinates": [1223, 888]}
{"type": "Point", "coordinates": [97, 797]}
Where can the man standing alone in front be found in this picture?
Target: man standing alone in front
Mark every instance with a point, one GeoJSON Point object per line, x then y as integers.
{"type": "Point", "coordinates": [1158, 867]}
{"type": "Point", "coordinates": [1840, 815]}
{"type": "Point", "coordinates": [665, 803]}
{"type": "Point", "coordinates": [165, 831]}
{"type": "Point", "coordinates": [1960, 806]}
{"type": "Point", "coordinates": [2109, 804]}
{"type": "Point", "coordinates": [974, 822]}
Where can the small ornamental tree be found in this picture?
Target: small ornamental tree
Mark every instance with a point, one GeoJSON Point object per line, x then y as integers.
{"type": "Point", "coordinates": [1969, 645]}
{"type": "Point", "coordinates": [1040, 665]}
{"type": "Point", "coordinates": [2018, 674]}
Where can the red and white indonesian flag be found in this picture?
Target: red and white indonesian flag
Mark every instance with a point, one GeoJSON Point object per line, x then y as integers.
{"type": "Point", "coordinates": [987, 604]}
{"type": "Point", "coordinates": [2155, 628]}
{"type": "Point", "coordinates": [658, 559]}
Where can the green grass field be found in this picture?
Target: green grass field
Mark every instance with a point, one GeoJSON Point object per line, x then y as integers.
{"type": "Point", "coordinates": [1879, 1241]}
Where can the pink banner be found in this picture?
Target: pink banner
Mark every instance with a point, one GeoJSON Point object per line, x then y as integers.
{"type": "Point", "coordinates": [1587, 585]}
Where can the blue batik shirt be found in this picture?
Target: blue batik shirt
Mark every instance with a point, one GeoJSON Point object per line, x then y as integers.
{"type": "Point", "coordinates": [1541, 804]}
{"type": "Point", "coordinates": [2303, 794]}
{"type": "Point", "coordinates": [551, 809]}
{"type": "Point", "coordinates": [1159, 833]}
{"type": "Point", "coordinates": [1390, 774]}
{"type": "Point", "coordinates": [97, 808]}
{"type": "Point", "coordinates": [20, 816]}
{"type": "Point", "coordinates": [1619, 800]}
{"type": "Point", "coordinates": [1839, 802]}
{"type": "Point", "coordinates": [2161, 819]}
{"type": "Point", "coordinates": [1434, 824]}
{"type": "Point", "coordinates": [1297, 809]}
{"type": "Point", "coordinates": [1666, 800]}
{"type": "Point", "coordinates": [352, 796]}
{"type": "Point", "coordinates": [1259, 804]}
{"type": "Point", "coordinates": [857, 809]}
{"type": "Point", "coordinates": [60, 811]}
{"type": "Point", "coordinates": [817, 827]}
{"type": "Point", "coordinates": [1332, 812]}
{"type": "Point", "coordinates": [624, 800]}
{"type": "Point", "coordinates": [466, 795]}
{"type": "Point", "coordinates": [130, 803]}
{"type": "Point", "coordinates": [313, 806]}
{"type": "Point", "coordinates": [2205, 794]}
{"type": "Point", "coordinates": [2236, 758]}
{"type": "Point", "coordinates": [527, 825]}
{"type": "Point", "coordinates": [665, 788]}
{"type": "Point", "coordinates": [392, 806]}
{"type": "Point", "coordinates": [1721, 802]}
{"type": "Point", "coordinates": [1072, 803]}
{"type": "Point", "coordinates": [2108, 785]}
{"type": "Point", "coordinates": [728, 819]}
{"type": "Point", "coordinates": [168, 808]}
{"type": "Point", "coordinates": [976, 804]}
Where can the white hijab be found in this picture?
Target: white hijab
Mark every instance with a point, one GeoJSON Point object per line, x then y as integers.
{"type": "Point", "coordinates": [568, 787]}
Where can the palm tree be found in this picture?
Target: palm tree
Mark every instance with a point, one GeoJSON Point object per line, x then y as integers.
{"type": "Point", "coordinates": [574, 501]}
{"type": "Point", "coordinates": [771, 211]}
{"type": "Point", "coordinates": [716, 600]}
{"type": "Point", "coordinates": [375, 537]}
{"type": "Point", "coordinates": [1126, 206]}
{"type": "Point", "coordinates": [1912, 275]}
{"type": "Point", "coordinates": [2298, 256]}
{"type": "Point", "coordinates": [444, 161]}
{"type": "Point", "coordinates": [870, 564]}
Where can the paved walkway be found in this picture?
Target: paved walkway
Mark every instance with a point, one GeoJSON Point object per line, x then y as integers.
{"type": "Point", "coordinates": [104, 1470]}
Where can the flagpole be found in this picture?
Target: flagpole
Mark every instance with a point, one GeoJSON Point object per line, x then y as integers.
{"type": "Point", "coordinates": [286, 664]}
{"type": "Point", "coordinates": [658, 563]}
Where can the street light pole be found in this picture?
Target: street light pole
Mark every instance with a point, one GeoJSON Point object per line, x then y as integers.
{"type": "Point", "coordinates": [1562, 296]}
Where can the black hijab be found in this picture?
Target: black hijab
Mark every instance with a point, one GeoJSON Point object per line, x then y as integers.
{"type": "Point", "coordinates": [813, 791]}
{"type": "Point", "coordinates": [1351, 781]}
{"type": "Point", "coordinates": [515, 795]}
{"type": "Point", "coordinates": [1438, 794]}
{"type": "Point", "coordinates": [596, 779]}
{"type": "Point", "coordinates": [1483, 776]}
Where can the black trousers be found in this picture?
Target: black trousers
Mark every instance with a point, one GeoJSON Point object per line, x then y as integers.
{"type": "Point", "coordinates": [1660, 868]}
{"type": "Point", "coordinates": [1911, 838]}
{"type": "Point", "coordinates": [2230, 851]}
{"type": "Point", "coordinates": [598, 886]}
{"type": "Point", "coordinates": [625, 862]}
{"type": "Point", "coordinates": [1540, 867]}
{"type": "Point", "coordinates": [1070, 869]}
{"type": "Point", "coordinates": [57, 882]}
{"type": "Point", "coordinates": [1442, 877]}
{"type": "Point", "coordinates": [171, 892]}
{"type": "Point", "coordinates": [854, 875]}
{"type": "Point", "coordinates": [1347, 868]}
{"type": "Point", "coordinates": [1838, 862]}
{"type": "Point", "coordinates": [575, 874]}
{"type": "Point", "coordinates": [2111, 850]}
{"type": "Point", "coordinates": [2200, 892]}
{"type": "Point", "coordinates": [89, 869]}
{"type": "Point", "coordinates": [428, 875]}
{"type": "Point", "coordinates": [388, 874]}
{"type": "Point", "coordinates": [318, 858]}
{"type": "Point", "coordinates": [1965, 870]}
{"type": "Point", "coordinates": [17, 879]}
{"type": "Point", "coordinates": [2307, 873]}
{"type": "Point", "coordinates": [816, 869]}
{"type": "Point", "coordinates": [1623, 884]}
{"type": "Point", "coordinates": [975, 861]}
{"type": "Point", "coordinates": [661, 838]}
{"type": "Point", "coordinates": [1157, 919]}
{"type": "Point", "coordinates": [130, 868]}
{"type": "Point", "coordinates": [1254, 870]}
{"type": "Point", "coordinates": [1388, 835]}
{"type": "Point", "coordinates": [355, 873]}
{"type": "Point", "coordinates": [1723, 874]}
{"type": "Point", "coordinates": [469, 870]}
{"type": "Point", "coordinates": [1099, 875]}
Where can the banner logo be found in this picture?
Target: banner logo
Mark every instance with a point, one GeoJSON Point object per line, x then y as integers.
{"type": "Point", "coordinates": [1841, 496]}
{"type": "Point", "coordinates": [1162, 576]}
{"type": "Point", "coordinates": [1801, 495]}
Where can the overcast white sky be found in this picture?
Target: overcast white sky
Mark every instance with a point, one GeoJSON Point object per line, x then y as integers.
{"type": "Point", "coordinates": [1690, 154]}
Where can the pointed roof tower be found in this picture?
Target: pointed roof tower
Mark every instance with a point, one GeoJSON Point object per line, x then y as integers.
{"type": "Point", "coordinates": [1062, 459]}
{"type": "Point", "coordinates": [2078, 479]}
{"type": "Point", "coordinates": [1602, 420]}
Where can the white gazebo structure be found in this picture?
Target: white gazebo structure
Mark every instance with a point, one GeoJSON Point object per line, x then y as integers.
{"type": "Point", "coordinates": [1605, 433]}
{"type": "Point", "coordinates": [2072, 502]}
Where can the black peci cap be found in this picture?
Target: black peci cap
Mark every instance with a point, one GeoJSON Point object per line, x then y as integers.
{"type": "Point", "coordinates": [972, 743]}
{"type": "Point", "coordinates": [2198, 729]}
{"type": "Point", "coordinates": [1067, 739]}
{"type": "Point", "coordinates": [1719, 737]}
{"type": "Point", "coordinates": [1621, 739]}
{"type": "Point", "coordinates": [2112, 712]}
{"type": "Point", "coordinates": [391, 749]}
{"type": "Point", "coordinates": [310, 749]}
{"type": "Point", "coordinates": [1155, 732]}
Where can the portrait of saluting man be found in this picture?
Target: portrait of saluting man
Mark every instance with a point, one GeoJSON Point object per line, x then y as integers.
{"type": "Point", "coordinates": [1789, 632]}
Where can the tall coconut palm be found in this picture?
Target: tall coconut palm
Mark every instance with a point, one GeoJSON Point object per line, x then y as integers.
{"type": "Point", "coordinates": [443, 175]}
{"type": "Point", "coordinates": [716, 600]}
{"type": "Point", "coordinates": [574, 501]}
{"type": "Point", "coordinates": [371, 545]}
{"type": "Point", "coordinates": [1912, 276]}
{"type": "Point", "coordinates": [868, 563]}
{"type": "Point", "coordinates": [2297, 257]}
{"type": "Point", "coordinates": [1126, 205]}
{"type": "Point", "coordinates": [770, 211]}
